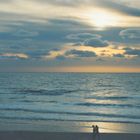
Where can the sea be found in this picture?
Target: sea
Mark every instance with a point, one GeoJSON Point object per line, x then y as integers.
{"type": "Point", "coordinates": [38, 100]}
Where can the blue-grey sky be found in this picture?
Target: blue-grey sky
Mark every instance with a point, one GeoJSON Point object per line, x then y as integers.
{"type": "Point", "coordinates": [70, 35]}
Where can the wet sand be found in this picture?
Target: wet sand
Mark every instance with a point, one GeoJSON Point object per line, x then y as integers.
{"type": "Point", "coordinates": [63, 126]}
{"type": "Point", "coordinates": [59, 130]}
{"type": "Point", "coordinates": [30, 135]}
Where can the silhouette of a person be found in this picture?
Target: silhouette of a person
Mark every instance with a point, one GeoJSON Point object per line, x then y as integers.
{"type": "Point", "coordinates": [94, 129]}
{"type": "Point", "coordinates": [97, 132]}
{"type": "Point", "coordinates": [94, 132]}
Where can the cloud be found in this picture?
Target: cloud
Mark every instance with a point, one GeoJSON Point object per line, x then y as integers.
{"type": "Point", "coordinates": [80, 53]}
{"type": "Point", "coordinates": [130, 51]}
{"type": "Point", "coordinates": [119, 7]}
{"type": "Point", "coordinates": [34, 11]}
{"type": "Point", "coordinates": [130, 33]}
{"type": "Point", "coordinates": [60, 57]}
{"type": "Point", "coordinates": [25, 33]}
{"type": "Point", "coordinates": [67, 25]}
{"type": "Point", "coordinates": [118, 55]}
{"type": "Point", "coordinates": [68, 3]}
{"type": "Point", "coordinates": [83, 36]}
{"type": "Point", "coordinates": [88, 39]}
{"type": "Point", "coordinates": [96, 42]}
{"type": "Point", "coordinates": [13, 56]}
{"type": "Point", "coordinates": [37, 54]}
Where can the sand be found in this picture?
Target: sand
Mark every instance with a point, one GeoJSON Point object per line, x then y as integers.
{"type": "Point", "coordinates": [59, 130]}
{"type": "Point", "coordinates": [30, 135]}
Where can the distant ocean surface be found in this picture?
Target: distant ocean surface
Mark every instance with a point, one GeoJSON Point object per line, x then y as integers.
{"type": "Point", "coordinates": [84, 97]}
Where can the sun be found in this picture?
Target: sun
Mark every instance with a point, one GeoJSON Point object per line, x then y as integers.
{"type": "Point", "coordinates": [103, 19]}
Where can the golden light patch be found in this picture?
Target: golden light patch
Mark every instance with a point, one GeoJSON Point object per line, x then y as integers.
{"type": "Point", "coordinates": [20, 55]}
{"type": "Point", "coordinates": [99, 69]}
{"type": "Point", "coordinates": [103, 51]}
{"type": "Point", "coordinates": [102, 19]}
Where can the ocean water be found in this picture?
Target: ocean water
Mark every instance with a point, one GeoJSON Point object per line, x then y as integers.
{"type": "Point", "coordinates": [70, 97]}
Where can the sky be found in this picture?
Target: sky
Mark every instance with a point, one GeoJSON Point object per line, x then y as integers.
{"type": "Point", "coordinates": [69, 36]}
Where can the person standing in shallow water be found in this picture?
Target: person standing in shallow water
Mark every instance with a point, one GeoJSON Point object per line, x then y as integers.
{"type": "Point", "coordinates": [96, 135]}
{"type": "Point", "coordinates": [94, 132]}
{"type": "Point", "coordinates": [96, 129]}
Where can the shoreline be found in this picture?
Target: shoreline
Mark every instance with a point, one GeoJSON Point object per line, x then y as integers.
{"type": "Point", "coordinates": [26, 135]}
{"type": "Point", "coordinates": [68, 127]}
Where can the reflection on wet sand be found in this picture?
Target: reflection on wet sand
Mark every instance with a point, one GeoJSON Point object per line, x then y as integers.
{"type": "Point", "coordinates": [108, 127]}
{"type": "Point", "coordinates": [68, 126]}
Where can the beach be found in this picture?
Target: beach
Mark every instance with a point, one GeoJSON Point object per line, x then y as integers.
{"type": "Point", "coordinates": [50, 130]}
{"type": "Point", "coordinates": [24, 135]}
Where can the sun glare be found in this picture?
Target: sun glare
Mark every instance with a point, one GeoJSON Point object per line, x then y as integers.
{"type": "Point", "coordinates": [103, 19]}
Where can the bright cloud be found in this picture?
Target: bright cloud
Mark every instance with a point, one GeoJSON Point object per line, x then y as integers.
{"type": "Point", "coordinates": [13, 56]}
{"type": "Point", "coordinates": [96, 43]}
{"type": "Point", "coordinates": [130, 33]}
